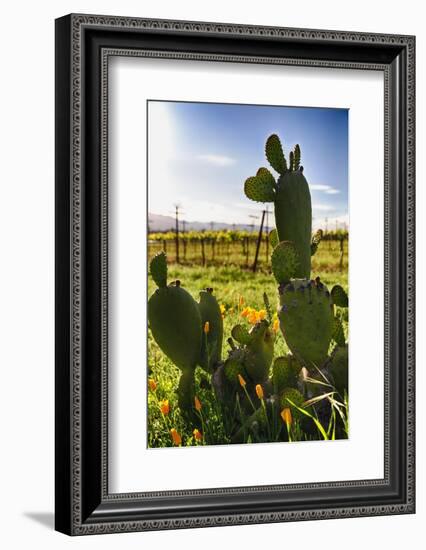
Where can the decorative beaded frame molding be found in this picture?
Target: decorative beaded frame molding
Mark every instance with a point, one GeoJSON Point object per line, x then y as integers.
{"type": "Point", "coordinates": [83, 504]}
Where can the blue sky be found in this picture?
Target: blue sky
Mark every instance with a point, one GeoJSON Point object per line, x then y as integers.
{"type": "Point", "coordinates": [200, 154]}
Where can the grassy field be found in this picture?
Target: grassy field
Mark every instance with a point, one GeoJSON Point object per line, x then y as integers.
{"type": "Point", "coordinates": [235, 289]}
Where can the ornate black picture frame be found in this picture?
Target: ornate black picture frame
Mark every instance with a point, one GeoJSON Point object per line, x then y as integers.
{"type": "Point", "coordinates": [83, 45]}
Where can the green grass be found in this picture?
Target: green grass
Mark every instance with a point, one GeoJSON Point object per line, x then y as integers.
{"type": "Point", "coordinates": [230, 283]}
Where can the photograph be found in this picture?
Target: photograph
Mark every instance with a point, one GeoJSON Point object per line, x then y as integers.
{"type": "Point", "coordinates": [247, 274]}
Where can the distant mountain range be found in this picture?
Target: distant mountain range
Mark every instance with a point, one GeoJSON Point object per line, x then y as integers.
{"type": "Point", "coordinates": [157, 222]}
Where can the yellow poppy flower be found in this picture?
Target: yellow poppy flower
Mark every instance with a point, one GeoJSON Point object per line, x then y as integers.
{"type": "Point", "coordinates": [197, 404]}
{"type": "Point", "coordinates": [286, 416]}
{"type": "Point", "coordinates": [177, 440]}
{"type": "Point", "coordinates": [152, 384]}
{"type": "Point", "coordinates": [165, 407]}
{"type": "Point", "coordinates": [259, 391]}
{"type": "Point", "coordinates": [197, 434]}
{"type": "Point", "coordinates": [241, 381]}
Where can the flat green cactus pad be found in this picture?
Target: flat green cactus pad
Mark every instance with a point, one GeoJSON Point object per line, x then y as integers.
{"type": "Point", "coordinates": [275, 155]}
{"type": "Point", "coordinates": [339, 296]}
{"type": "Point", "coordinates": [293, 395]}
{"type": "Point", "coordinates": [284, 261]}
{"type": "Point", "coordinates": [175, 323]}
{"type": "Point", "coordinates": [211, 347]}
{"type": "Point", "coordinates": [273, 238]}
{"type": "Point", "coordinates": [241, 334]}
{"type": "Point", "coordinates": [158, 269]}
{"type": "Point", "coordinates": [259, 189]}
{"type": "Point", "coordinates": [307, 320]}
{"type": "Point", "coordinates": [234, 367]}
{"type": "Point", "coordinates": [285, 373]}
{"type": "Point", "coordinates": [338, 332]}
{"type": "Point", "coordinates": [339, 368]}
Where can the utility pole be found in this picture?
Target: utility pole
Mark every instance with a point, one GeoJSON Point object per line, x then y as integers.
{"type": "Point", "coordinates": [177, 206]}
{"type": "Point", "coordinates": [259, 239]}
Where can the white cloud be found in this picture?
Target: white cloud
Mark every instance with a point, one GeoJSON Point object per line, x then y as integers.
{"type": "Point", "coordinates": [325, 188]}
{"type": "Point", "coordinates": [218, 160]}
{"type": "Point", "coordinates": [322, 207]}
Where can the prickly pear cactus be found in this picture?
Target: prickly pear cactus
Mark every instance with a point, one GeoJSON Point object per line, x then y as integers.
{"type": "Point", "coordinates": [307, 320]}
{"type": "Point", "coordinates": [175, 322]}
{"type": "Point", "coordinates": [253, 358]}
{"type": "Point", "coordinates": [292, 199]}
{"type": "Point", "coordinates": [293, 395]}
{"type": "Point", "coordinates": [293, 217]}
{"type": "Point", "coordinates": [339, 368]}
{"type": "Point", "coordinates": [212, 323]}
{"type": "Point", "coordinates": [285, 373]}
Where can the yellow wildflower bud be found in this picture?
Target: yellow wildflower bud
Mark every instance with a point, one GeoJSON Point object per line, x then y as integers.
{"type": "Point", "coordinates": [197, 404]}
{"type": "Point", "coordinates": [197, 434]}
{"type": "Point", "coordinates": [241, 301]}
{"type": "Point", "coordinates": [241, 381]}
{"type": "Point", "coordinates": [152, 384]}
{"type": "Point", "coordinates": [286, 416]}
{"type": "Point", "coordinates": [177, 440]}
{"type": "Point", "coordinates": [165, 407]}
{"type": "Point", "coordinates": [276, 326]}
{"type": "Point", "coordinates": [222, 309]}
{"type": "Point", "coordinates": [259, 391]}
{"type": "Point", "coordinates": [206, 327]}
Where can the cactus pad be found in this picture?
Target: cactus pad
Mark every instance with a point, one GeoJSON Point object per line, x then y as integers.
{"type": "Point", "coordinates": [339, 296]}
{"type": "Point", "coordinates": [241, 334]}
{"type": "Point", "coordinates": [339, 368]}
{"type": "Point", "coordinates": [259, 189]}
{"type": "Point", "coordinates": [295, 397]}
{"type": "Point", "coordinates": [234, 366]}
{"type": "Point", "coordinates": [175, 322]}
{"type": "Point", "coordinates": [338, 332]}
{"type": "Point", "coordinates": [275, 155]}
{"type": "Point", "coordinates": [293, 217]}
{"type": "Point", "coordinates": [284, 261]}
{"type": "Point", "coordinates": [158, 269]}
{"type": "Point", "coordinates": [211, 347]}
{"type": "Point", "coordinates": [307, 320]}
{"type": "Point", "coordinates": [285, 373]}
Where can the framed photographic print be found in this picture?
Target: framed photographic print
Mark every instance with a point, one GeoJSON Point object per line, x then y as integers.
{"type": "Point", "coordinates": [234, 274]}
